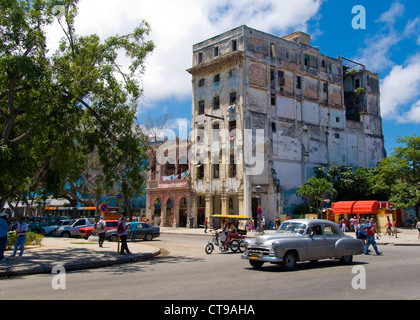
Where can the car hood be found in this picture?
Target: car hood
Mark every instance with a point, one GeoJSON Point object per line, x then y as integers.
{"type": "Point", "coordinates": [269, 238]}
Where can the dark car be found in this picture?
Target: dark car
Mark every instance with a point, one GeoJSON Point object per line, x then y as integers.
{"type": "Point", "coordinates": [144, 231]}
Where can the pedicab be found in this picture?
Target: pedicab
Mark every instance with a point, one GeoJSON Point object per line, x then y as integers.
{"type": "Point", "coordinates": [233, 241]}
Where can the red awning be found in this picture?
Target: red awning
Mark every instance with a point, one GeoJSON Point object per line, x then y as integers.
{"type": "Point", "coordinates": [366, 207]}
{"type": "Point", "coordinates": [343, 207]}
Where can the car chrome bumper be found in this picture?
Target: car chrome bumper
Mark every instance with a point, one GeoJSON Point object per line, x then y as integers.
{"type": "Point", "coordinates": [261, 257]}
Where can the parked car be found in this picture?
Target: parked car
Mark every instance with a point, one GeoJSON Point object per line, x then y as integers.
{"type": "Point", "coordinates": [302, 240]}
{"type": "Point", "coordinates": [49, 230]}
{"type": "Point", "coordinates": [72, 229]}
{"type": "Point", "coordinates": [87, 231]}
{"type": "Point", "coordinates": [144, 231]}
{"type": "Point", "coordinates": [38, 225]}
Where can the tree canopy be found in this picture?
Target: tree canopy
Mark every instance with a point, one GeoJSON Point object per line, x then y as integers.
{"type": "Point", "coordinates": [57, 108]}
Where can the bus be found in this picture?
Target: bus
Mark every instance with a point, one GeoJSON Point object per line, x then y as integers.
{"type": "Point", "coordinates": [81, 212]}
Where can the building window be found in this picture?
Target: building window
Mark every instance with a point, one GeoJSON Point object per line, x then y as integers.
{"type": "Point", "coordinates": [234, 45]}
{"type": "Point", "coordinates": [298, 82]}
{"type": "Point", "coordinates": [232, 74]}
{"type": "Point", "coordinates": [273, 98]}
{"type": "Point", "coordinates": [201, 83]}
{"type": "Point", "coordinates": [325, 87]}
{"type": "Point", "coordinates": [216, 79]}
{"type": "Point", "coordinates": [216, 51]}
{"type": "Point", "coordinates": [272, 50]}
{"type": "Point", "coordinates": [200, 57]}
{"type": "Point", "coordinates": [273, 127]}
{"type": "Point", "coordinates": [232, 166]}
{"type": "Point", "coordinates": [281, 79]}
{"type": "Point", "coordinates": [232, 98]}
{"type": "Point", "coordinates": [200, 171]}
{"type": "Point", "coordinates": [201, 107]}
{"type": "Point", "coordinates": [306, 60]}
{"type": "Point", "coordinates": [216, 171]}
{"type": "Point", "coordinates": [216, 103]}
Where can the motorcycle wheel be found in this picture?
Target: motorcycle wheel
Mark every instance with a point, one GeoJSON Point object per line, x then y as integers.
{"type": "Point", "coordinates": [209, 248]}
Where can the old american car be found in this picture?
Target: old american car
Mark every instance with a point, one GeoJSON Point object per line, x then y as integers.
{"type": "Point", "coordinates": [302, 240]}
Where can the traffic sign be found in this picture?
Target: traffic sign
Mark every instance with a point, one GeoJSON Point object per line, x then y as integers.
{"type": "Point", "coordinates": [103, 207]}
{"type": "Point", "coordinates": [259, 210]}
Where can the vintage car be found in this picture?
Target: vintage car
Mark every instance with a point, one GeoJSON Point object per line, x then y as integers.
{"type": "Point", "coordinates": [302, 240]}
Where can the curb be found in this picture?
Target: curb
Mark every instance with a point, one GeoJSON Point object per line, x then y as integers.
{"type": "Point", "coordinates": [74, 266]}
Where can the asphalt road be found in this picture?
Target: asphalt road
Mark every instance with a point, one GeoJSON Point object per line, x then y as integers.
{"type": "Point", "coordinates": [185, 272]}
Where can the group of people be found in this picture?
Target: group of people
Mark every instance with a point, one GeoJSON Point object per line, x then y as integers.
{"type": "Point", "coordinates": [366, 230]}
{"type": "Point", "coordinates": [5, 228]}
{"type": "Point", "coordinates": [227, 233]}
{"type": "Point", "coordinates": [122, 229]}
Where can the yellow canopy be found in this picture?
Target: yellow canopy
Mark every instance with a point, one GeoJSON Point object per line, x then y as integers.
{"type": "Point", "coordinates": [229, 216]}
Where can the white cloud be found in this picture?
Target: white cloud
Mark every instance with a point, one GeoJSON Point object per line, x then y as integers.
{"type": "Point", "coordinates": [177, 25]}
{"type": "Point", "coordinates": [400, 88]}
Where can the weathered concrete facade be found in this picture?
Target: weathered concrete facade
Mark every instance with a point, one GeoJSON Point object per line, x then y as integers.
{"type": "Point", "coordinates": [306, 103]}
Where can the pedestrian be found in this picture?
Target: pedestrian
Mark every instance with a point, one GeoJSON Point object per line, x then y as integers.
{"type": "Point", "coordinates": [418, 229]}
{"type": "Point", "coordinates": [191, 221]}
{"type": "Point", "coordinates": [361, 232]}
{"type": "Point", "coordinates": [133, 228]}
{"type": "Point", "coordinates": [370, 234]}
{"type": "Point", "coordinates": [4, 228]}
{"type": "Point", "coordinates": [122, 232]}
{"type": "Point", "coordinates": [343, 225]}
{"type": "Point", "coordinates": [394, 228]}
{"type": "Point", "coordinates": [355, 223]}
{"type": "Point", "coordinates": [21, 230]}
{"type": "Point", "coordinates": [205, 225]}
{"type": "Point", "coordinates": [263, 224]}
{"type": "Point", "coordinates": [388, 226]}
{"type": "Point", "coordinates": [101, 230]}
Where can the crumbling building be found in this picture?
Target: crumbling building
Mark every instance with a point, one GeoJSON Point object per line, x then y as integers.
{"type": "Point", "coordinates": [313, 110]}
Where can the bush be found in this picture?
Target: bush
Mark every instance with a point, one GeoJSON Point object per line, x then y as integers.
{"type": "Point", "coordinates": [31, 239]}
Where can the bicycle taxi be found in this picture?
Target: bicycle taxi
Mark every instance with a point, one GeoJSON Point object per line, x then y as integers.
{"type": "Point", "coordinates": [232, 240]}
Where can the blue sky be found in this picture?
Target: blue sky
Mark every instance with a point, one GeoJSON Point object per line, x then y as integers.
{"type": "Point", "coordinates": [390, 44]}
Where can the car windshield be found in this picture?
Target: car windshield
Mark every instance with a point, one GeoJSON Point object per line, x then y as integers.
{"type": "Point", "coordinates": [292, 227]}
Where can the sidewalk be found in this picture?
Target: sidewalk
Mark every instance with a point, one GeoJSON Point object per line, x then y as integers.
{"type": "Point", "coordinates": [77, 254]}
{"type": "Point", "coordinates": [72, 254]}
{"type": "Point", "coordinates": [405, 237]}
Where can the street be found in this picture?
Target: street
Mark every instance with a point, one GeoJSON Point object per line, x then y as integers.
{"type": "Point", "coordinates": [185, 272]}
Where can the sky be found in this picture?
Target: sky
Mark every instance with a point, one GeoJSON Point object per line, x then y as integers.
{"type": "Point", "coordinates": [388, 44]}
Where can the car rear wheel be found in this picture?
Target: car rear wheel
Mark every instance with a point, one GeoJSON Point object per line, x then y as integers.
{"type": "Point", "coordinates": [113, 238]}
{"type": "Point", "coordinates": [148, 237]}
{"type": "Point", "coordinates": [346, 259]}
{"type": "Point", "coordinates": [65, 234]}
{"type": "Point", "coordinates": [289, 261]}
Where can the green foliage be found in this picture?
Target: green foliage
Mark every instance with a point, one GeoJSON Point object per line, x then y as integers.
{"type": "Point", "coordinates": [32, 239]}
{"type": "Point", "coordinates": [57, 108]}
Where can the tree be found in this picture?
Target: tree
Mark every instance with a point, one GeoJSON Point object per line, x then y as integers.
{"type": "Point", "coordinates": [316, 189]}
{"type": "Point", "coordinates": [57, 109]}
{"type": "Point", "coordinates": [399, 174]}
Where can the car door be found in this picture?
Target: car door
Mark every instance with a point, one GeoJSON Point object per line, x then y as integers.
{"type": "Point", "coordinates": [331, 237]}
{"type": "Point", "coordinates": [316, 243]}
{"type": "Point", "coordinates": [77, 225]}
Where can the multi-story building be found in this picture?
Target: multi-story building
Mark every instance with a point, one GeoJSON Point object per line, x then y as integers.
{"type": "Point", "coordinates": [312, 110]}
{"type": "Point", "coordinates": [168, 184]}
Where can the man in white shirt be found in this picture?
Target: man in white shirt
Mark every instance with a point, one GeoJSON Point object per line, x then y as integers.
{"type": "Point", "coordinates": [21, 230]}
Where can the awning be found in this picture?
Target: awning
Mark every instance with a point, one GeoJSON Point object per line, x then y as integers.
{"type": "Point", "coordinates": [343, 207]}
{"type": "Point", "coordinates": [366, 207]}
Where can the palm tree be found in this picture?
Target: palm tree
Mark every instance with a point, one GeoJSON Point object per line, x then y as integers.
{"type": "Point", "coordinates": [316, 189]}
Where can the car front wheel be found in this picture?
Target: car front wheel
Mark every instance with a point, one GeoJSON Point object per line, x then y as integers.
{"type": "Point", "coordinates": [289, 261]}
{"type": "Point", "coordinates": [256, 264]}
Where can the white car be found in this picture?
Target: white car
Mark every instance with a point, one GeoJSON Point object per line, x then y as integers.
{"type": "Point", "coordinates": [72, 229]}
{"type": "Point", "coordinates": [302, 240]}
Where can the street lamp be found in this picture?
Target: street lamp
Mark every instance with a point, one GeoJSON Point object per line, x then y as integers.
{"type": "Point", "coordinates": [258, 229]}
